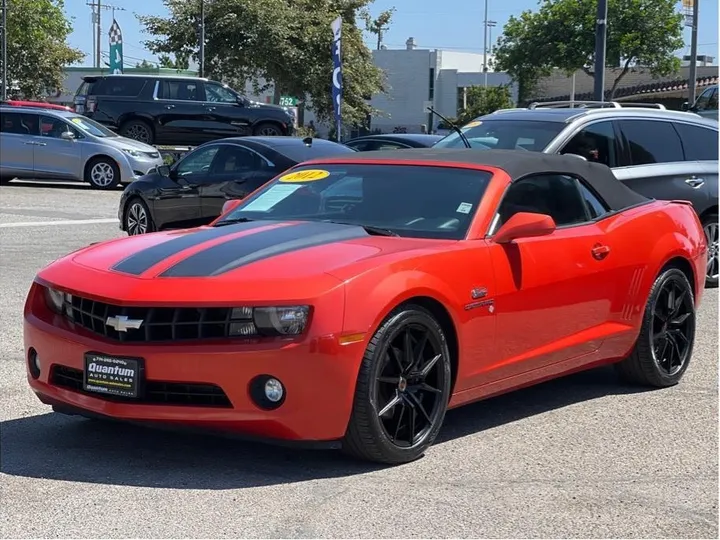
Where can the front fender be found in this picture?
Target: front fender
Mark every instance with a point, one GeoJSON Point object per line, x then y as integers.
{"type": "Point", "coordinates": [371, 298]}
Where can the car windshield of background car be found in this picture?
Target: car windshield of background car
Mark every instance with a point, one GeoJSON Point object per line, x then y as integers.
{"type": "Point", "coordinates": [92, 127]}
{"type": "Point", "coordinates": [529, 135]}
{"type": "Point", "coordinates": [409, 200]}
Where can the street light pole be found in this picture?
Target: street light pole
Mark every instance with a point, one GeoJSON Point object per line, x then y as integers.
{"type": "Point", "coordinates": [4, 51]}
{"type": "Point", "coordinates": [202, 38]}
{"type": "Point", "coordinates": [692, 83]}
{"type": "Point", "coordinates": [600, 46]}
{"type": "Point", "coordinates": [485, 25]}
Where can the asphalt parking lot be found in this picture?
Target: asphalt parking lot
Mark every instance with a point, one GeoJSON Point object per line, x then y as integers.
{"type": "Point", "coordinates": [578, 457]}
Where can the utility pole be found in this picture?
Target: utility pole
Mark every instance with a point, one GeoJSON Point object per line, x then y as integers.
{"type": "Point", "coordinates": [202, 38]}
{"type": "Point", "coordinates": [5, 84]}
{"type": "Point", "coordinates": [692, 83]}
{"type": "Point", "coordinates": [600, 46]}
{"type": "Point", "coordinates": [98, 32]}
{"type": "Point", "coordinates": [485, 45]}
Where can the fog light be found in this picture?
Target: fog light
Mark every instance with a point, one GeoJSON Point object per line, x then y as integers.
{"type": "Point", "coordinates": [267, 392]}
{"type": "Point", "coordinates": [274, 390]}
{"type": "Point", "coordinates": [34, 363]}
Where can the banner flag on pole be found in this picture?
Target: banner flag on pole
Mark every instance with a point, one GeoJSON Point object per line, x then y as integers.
{"type": "Point", "coordinates": [116, 48]}
{"type": "Point", "coordinates": [337, 85]}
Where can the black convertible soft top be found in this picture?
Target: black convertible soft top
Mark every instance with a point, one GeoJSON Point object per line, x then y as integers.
{"type": "Point", "coordinates": [517, 164]}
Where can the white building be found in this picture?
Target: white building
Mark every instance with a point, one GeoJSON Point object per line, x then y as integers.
{"type": "Point", "coordinates": [417, 78]}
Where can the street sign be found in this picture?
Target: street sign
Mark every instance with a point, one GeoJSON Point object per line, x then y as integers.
{"type": "Point", "coordinates": [288, 101]}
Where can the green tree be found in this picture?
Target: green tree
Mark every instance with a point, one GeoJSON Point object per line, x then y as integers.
{"type": "Point", "coordinates": [144, 65]}
{"type": "Point", "coordinates": [178, 63]}
{"type": "Point", "coordinates": [484, 100]}
{"type": "Point", "coordinates": [283, 41]}
{"type": "Point", "coordinates": [561, 34]}
{"type": "Point", "coordinates": [37, 46]}
{"type": "Point", "coordinates": [376, 25]}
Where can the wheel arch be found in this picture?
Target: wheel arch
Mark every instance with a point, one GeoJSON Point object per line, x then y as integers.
{"type": "Point", "coordinates": [126, 205]}
{"type": "Point", "coordinates": [134, 116]}
{"type": "Point", "coordinates": [273, 121]}
{"type": "Point", "coordinates": [709, 211]}
{"type": "Point", "coordinates": [683, 264]}
{"type": "Point", "coordinates": [380, 296]}
{"type": "Point", "coordinates": [92, 159]}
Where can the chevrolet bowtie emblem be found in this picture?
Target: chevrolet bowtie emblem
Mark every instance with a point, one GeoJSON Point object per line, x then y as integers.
{"type": "Point", "coordinates": [122, 324]}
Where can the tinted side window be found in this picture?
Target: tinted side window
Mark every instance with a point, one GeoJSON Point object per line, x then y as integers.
{"type": "Point", "coordinates": [705, 101]}
{"type": "Point", "coordinates": [596, 143]}
{"type": "Point", "coordinates": [595, 206]}
{"type": "Point", "coordinates": [20, 123]}
{"type": "Point", "coordinates": [197, 162]}
{"type": "Point", "coordinates": [555, 195]}
{"type": "Point", "coordinates": [179, 90]}
{"type": "Point", "coordinates": [234, 159]}
{"type": "Point", "coordinates": [119, 87]}
{"type": "Point", "coordinates": [651, 141]}
{"type": "Point", "coordinates": [700, 143]}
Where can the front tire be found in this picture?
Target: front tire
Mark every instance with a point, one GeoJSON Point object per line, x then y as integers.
{"type": "Point", "coordinates": [710, 227]}
{"type": "Point", "coordinates": [402, 391]}
{"type": "Point", "coordinates": [102, 173]}
{"type": "Point", "coordinates": [138, 130]}
{"type": "Point", "coordinates": [137, 218]}
{"type": "Point", "coordinates": [662, 352]}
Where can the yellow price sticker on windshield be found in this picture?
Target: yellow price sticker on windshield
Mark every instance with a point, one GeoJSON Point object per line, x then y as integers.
{"type": "Point", "coordinates": [473, 124]}
{"type": "Point", "coordinates": [310, 175]}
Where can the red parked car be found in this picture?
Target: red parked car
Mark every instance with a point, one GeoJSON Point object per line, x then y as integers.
{"type": "Point", "coordinates": [37, 104]}
{"type": "Point", "coordinates": [353, 299]}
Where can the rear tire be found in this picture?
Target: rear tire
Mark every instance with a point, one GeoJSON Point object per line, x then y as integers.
{"type": "Point", "coordinates": [664, 347]}
{"type": "Point", "coordinates": [102, 173]}
{"type": "Point", "coordinates": [138, 130]}
{"type": "Point", "coordinates": [268, 129]}
{"type": "Point", "coordinates": [710, 227]}
{"type": "Point", "coordinates": [402, 391]}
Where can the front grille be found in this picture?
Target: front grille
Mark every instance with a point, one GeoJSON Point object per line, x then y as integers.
{"type": "Point", "coordinates": [158, 324]}
{"type": "Point", "coordinates": [155, 392]}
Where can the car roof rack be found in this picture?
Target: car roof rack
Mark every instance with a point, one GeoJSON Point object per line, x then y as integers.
{"type": "Point", "coordinates": [582, 104]}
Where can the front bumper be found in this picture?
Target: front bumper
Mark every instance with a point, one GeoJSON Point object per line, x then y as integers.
{"type": "Point", "coordinates": [137, 167]}
{"type": "Point", "coordinates": [318, 374]}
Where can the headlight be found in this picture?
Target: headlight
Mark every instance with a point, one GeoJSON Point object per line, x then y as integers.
{"type": "Point", "coordinates": [131, 152]}
{"type": "Point", "coordinates": [269, 321]}
{"type": "Point", "coordinates": [59, 301]}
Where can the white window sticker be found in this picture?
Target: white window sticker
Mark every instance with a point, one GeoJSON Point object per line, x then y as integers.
{"type": "Point", "coordinates": [464, 208]}
{"type": "Point", "coordinates": [271, 197]}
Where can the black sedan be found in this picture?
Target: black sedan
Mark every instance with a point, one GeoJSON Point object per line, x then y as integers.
{"type": "Point", "coordinates": [393, 141]}
{"type": "Point", "coordinates": [193, 190]}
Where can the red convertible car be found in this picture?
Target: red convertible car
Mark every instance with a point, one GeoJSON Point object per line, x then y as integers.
{"type": "Point", "coordinates": [352, 300]}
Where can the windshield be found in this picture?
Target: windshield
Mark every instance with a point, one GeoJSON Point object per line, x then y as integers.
{"type": "Point", "coordinates": [92, 127]}
{"type": "Point", "coordinates": [408, 200]}
{"type": "Point", "coordinates": [530, 135]}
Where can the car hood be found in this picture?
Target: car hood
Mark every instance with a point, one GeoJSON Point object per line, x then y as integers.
{"type": "Point", "coordinates": [252, 261]}
{"type": "Point", "coordinates": [124, 142]}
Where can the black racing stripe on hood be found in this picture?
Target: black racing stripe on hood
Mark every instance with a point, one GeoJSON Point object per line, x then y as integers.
{"type": "Point", "coordinates": [143, 260]}
{"type": "Point", "coordinates": [249, 249]}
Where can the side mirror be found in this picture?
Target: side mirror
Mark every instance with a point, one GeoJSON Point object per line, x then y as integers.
{"type": "Point", "coordinates": [230, 205]}
{"type": "Point", "coordinates": [525, 225]}
{"type": "Point", "coordinates": [67, 135]}
{"type": "Point", "coordinates": [241, 101]}
{"type": "Point", "coordinates": [164, 170]}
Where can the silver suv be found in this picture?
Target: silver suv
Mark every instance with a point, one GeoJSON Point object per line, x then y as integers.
{"type": "Point", "coordinates": [659, 153]}
{"type": "Point", "coordinates": [49, 144]}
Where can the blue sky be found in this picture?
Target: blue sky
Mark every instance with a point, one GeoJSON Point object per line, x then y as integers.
{"type": "Point", "coordinates": [445, 24]}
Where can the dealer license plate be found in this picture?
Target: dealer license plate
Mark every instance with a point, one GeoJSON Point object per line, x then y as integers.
{"type": "Point", "coordinates": [116, 376]}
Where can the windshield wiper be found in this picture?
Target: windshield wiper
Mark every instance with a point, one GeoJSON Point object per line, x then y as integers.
{"type": "Point", "coordinates": [370, 229]}
{"type": "Point", "coordinates": [232, 221]}
{"type": "Point", "coordinates": [455, 128]}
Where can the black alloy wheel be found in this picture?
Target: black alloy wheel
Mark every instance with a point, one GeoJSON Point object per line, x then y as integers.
{"type": "Point", "coordinates": [673, 326]}
{"type": "Point", "coordinates": [403, 389]}
{"type": "Point", "coordinates": [137, 130]}
{"type": "Point", "coordinates": [665, 344]}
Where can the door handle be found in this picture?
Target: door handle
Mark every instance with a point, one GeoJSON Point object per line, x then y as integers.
{"type": "Point", "coordinates": [40, 144]}
{"type": "Point", "coordinates": [600, 251]}
{"type": "Point", "coordinates": [169, 106]}
{"type": "Point", "coordinates": [31, 143]}
{"type": "Point", "coordinates": [210, 108]}
{"type": "Point", "coordinates": [695, 182]}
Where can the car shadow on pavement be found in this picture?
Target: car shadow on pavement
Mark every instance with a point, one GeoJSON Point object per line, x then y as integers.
{"type": "Point", "coordinates": [54, 446]}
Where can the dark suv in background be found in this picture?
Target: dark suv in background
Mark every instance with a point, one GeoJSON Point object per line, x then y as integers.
{"type": "Point", "coordinates": [169, 110]}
